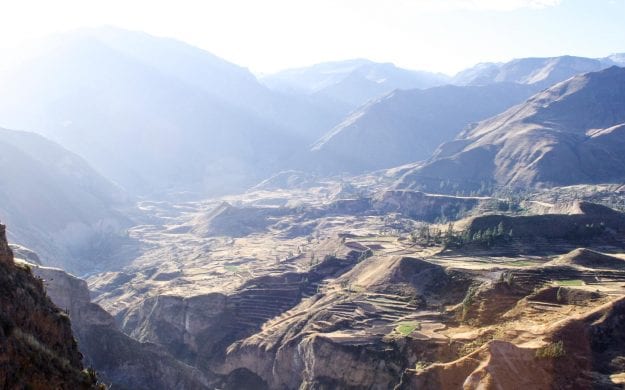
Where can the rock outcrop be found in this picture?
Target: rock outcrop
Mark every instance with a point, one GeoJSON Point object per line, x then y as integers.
{"type": "Point", "coordinates": [120, 360]}
{"type": "Point", "coordinates": [37, 347]}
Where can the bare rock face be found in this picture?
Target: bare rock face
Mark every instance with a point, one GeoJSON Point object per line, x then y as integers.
{"type": "Point", "coordinates": [37, 347]}
{"type": "Point", "coordinates": [190, 328]}
{"type": "Point", "coordinates": [119, 359]}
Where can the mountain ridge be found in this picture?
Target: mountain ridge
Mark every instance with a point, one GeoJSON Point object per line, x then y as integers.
{"type": "Point", "coordinates": [568, 134]}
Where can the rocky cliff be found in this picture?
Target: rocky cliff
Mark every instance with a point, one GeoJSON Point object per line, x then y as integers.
{"type": "Point", "coordinates": [37, 348]}
{"type": "Point", "coordinates": [120, 360]}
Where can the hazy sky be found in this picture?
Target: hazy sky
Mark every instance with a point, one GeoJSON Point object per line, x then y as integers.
{"type": "Point", "coordinates": [269, 35]}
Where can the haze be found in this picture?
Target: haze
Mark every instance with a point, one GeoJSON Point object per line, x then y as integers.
{"type": "Point", "coordinates": [267, 36]}
{"type": "Point", "coordinates": [318, 195]}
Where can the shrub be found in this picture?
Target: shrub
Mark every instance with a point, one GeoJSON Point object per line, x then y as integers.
{"type": "Point", "coordinates": [467, 301]}
{"type": "Point", "coordinates": [551, 351]}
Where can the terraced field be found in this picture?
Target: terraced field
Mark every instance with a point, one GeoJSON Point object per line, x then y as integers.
{"type": "Point", "coordinates": [345, 286]}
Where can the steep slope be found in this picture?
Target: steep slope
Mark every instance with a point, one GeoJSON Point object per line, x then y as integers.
{"type": "Point", "coordinates": [542, 72]}
{"type": "Point", "coordinates": [351, 82]}
{"type": "Point", "coordinates": [406, 126]}
{"type": "Point", "coordinates": [568, 134]}
{"type": "Point", "coordinates": [581, 353]}
{"type": "Point", "coordinates": [56, 204]}
{"type": "Point", "coordinates": [174, 117]}
{"type": "Point", "coordinates": [121, 361]}
{"type": "Point", "coordinates": [303, 115]}
{"type": "Point", "coordinates": [37, 348]}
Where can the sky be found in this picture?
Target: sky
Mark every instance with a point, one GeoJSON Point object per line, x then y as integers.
{"type": "Point", "coordinates": [270, 35]}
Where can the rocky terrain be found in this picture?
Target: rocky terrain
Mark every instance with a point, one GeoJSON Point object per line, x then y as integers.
{"type": "Point", "coordinates": [37, 348]}
{"type": "Point", "coordinates": [121, 362]}
{"type": "Point", "coordinates": [248, 250]}
{"type": "Point", "coordinates": [354, 292]}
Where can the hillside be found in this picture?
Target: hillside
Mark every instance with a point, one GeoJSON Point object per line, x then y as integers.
{"type": "Point", "coordinates": [37, 347]}
{"type": "Point", "coordinates": [175, 117]}
{"type": "Point", "coordinates": [568, 134]}
{"type": "Point", "coordinates": [367, 293]}
{"type": "Point", "coordinates": [352, 82]}
{"type": "Point", "coordinates": [406, 126]}
{"type": "Point", "coordinates": [120, 361]}
{"type": "Point", "coordinates": [56, 204]}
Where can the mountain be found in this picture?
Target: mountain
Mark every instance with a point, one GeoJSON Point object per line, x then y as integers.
{"type": "Point", "coordinates": [408, 125]}
{"type": "Point", "coordinates": [37, 347]}
{"type": "Point", "coordinates": [56, 204]}
{"type": "Point", "coordinates": [542, 72]}
{"type": "Point", "coordinates": [155, 114]}
{"type": "Point", "coordinates": [571, 133]}
{"type": "Point", "coordinates": [222, 79]}
{"type": "Point", "coordinates": [615, 59]}
{"type": "Point", "coordinates": [352, 82]}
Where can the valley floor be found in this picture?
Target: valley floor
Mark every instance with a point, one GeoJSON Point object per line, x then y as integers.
{"type": "Point", "coordinates": [254, 288]}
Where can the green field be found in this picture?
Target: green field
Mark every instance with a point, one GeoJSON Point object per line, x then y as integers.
{"type": "Point", "coordinates": [571, 282]}
{"type": "Point", "coordinates": [406, 328]}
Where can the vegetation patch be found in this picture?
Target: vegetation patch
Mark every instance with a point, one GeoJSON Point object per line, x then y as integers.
{"type": "Point", "coordinates": [551, 351]}
{"type": "Point", "coordinates": [422, 365]}
{"type": "Point", "coordinates": [570, 282]}
{"type": "Point", "coordinates": [467, 301]}
{"type": "Point", "coordinates": [406, 328]}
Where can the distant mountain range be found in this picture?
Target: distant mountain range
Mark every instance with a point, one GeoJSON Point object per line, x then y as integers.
{"type": "Point", "coordinates": [352, 82]}
{"type": "Point", "coordinates": [154, 114]}
{"type": "Point", "coordinates": [407, 126]}
{"type": "Point", "coordinates": [159, 117]}
{"type": "Point", "coordinates": [571, 133]}
{"type": "Point", "coordinates": [542, 72]}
